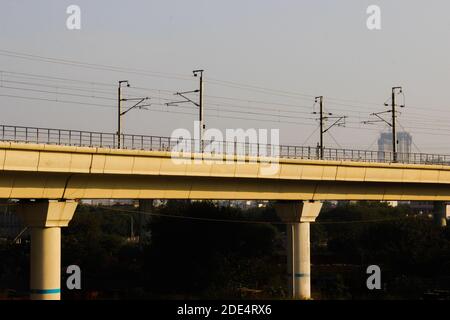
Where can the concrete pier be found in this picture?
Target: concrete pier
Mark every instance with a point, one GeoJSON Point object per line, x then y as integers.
{"type": "Point", "coordinates": [45, 219]}
{"type": "Point", "coordinates": [298, 215]}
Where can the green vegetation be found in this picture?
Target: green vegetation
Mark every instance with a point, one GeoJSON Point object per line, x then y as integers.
{"type": "Point", "coordinates": [194, 258]}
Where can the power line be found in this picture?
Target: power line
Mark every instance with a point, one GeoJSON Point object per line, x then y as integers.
{"type": "Point", "coordinates": [33, 75]}
{"type": "Point", "coordinates": [338, 103]}
{"type": "Point", "coordinates": [157, 111]}
{"type": "Point", "coordinates": [41, 58]}
{"type": "Point", "coordinates": [215, 116]}
{"type": "Point", "coordinates": [259, 89]}
{"type": "Point", "coordinates": [211, 115]}
{"type": "Point", "coordinates": [391, 123]}
{"type": "Point", "coordinates": [56, 100]}
{"type": "Point", "coordinates": [335, 141]}
{"type": "Point", "coordinates": [322, 118]}
{"type": "Point", "coordinates": [414, 144]}
{"type": "Point", "coordinates": [197, 73]}
{"type": "Point", "coordinates": [120, 113]}
{"type": "Point", "coordinates": [93, 66]}
{"type": "Point", "coordinates": [59, 93]}
{"type": "Point", "coordinates": [244, 221]}
{"type": "Point", "coordinates": [49, 78]}
{"type": "Point", "coordinates": [310, 136]}
{"type": "Point", "coordinates": [71, 62]}
{"type": "Point", "coordinates": [58, 88]}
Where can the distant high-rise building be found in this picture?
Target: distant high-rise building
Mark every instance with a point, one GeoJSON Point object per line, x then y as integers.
{"type": "Point", "coordinates": [403, 146]}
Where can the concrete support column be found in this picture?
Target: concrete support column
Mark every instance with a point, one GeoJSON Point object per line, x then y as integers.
{"type": "Point", "coordinates": [440, 213]}
{"type": "Point", "coordinates": [298, 215]}
{"type": "Point", "coordinates": [45, 219]}
{"type": "Point", "coordinates": [302, 261]}
{"type": "Point", "coordinates": [45, 263]}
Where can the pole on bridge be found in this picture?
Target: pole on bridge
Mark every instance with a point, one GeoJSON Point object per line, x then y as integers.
{"type": "Point", "coordinates": [121, 113]}
{"type": "Point", "coordinates": [394, 136]}
{"type": "Point", "coordinates": [394, 124]}
{"type": "Point", "coordinates": [393, 121]}
{"type": "Point", "coordinates": [339, 121]}
{"type": "Point", "coordinates": [200, 105]}
{"type": "Point", "coordinates": [321, 128]}
{"type": "Point", "coordinates": [119, 110]}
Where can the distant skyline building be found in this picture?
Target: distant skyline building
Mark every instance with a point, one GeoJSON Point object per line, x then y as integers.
{"type": "Point", "coordinates": [403, 146]}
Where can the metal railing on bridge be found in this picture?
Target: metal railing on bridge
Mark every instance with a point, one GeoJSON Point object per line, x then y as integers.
{"type": "Point", "coordinates": [157, 143]}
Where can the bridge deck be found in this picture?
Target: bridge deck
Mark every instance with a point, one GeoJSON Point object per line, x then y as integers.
{"type": "Point", "coordinates": [68, 172]}
{"type": "Point", "coordinates": [157, 143]}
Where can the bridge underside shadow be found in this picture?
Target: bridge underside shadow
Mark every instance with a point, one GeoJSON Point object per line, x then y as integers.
{"type": "Point", "coordinates": [37, 185]}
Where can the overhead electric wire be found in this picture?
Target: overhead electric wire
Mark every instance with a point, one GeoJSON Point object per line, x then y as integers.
{"type": "Point", "coordinates": [259, 89]}
{"type": "Point", "coordinates": [172, 216]}
{"type": "Point", "coordinates": [310, 136]}
{"type": "Point", "coordinates": [223, 116]}
{"type": "Point", "coordinates": [33, 75]}
{"type": "Point", "coordinates": [56, 86]}
{"type": "Point", "coordinates": [246, 112]}
{"type": "Point", "coordinates": [371, 145]}
{"type": "Point", "coordinates": [412, 141]}
{"type": "Point", "coordinates": [58, 93]}
{"type": "Point", "coordinates": [358, 112]}
{"type": "Point", "coordinates": [335, 141]}
{"type": "Point", "coordinates": [418, 121]}
{"type": "Point", "coordinates": [186, 77]}
{"type": "Point", "coordinates": [194, 114]}
{"type": "Point", "coordinates": [58, 100]}
{"type": "Point", "coordinates": [150, 110]}
{"type": "Point", "coordinates": [70, 62]}
{"type": "Point", "coordinates": [93, 66]}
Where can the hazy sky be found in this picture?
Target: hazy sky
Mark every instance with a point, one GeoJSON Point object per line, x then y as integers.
{"type": "Point", "coordinates": [303, 48]}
